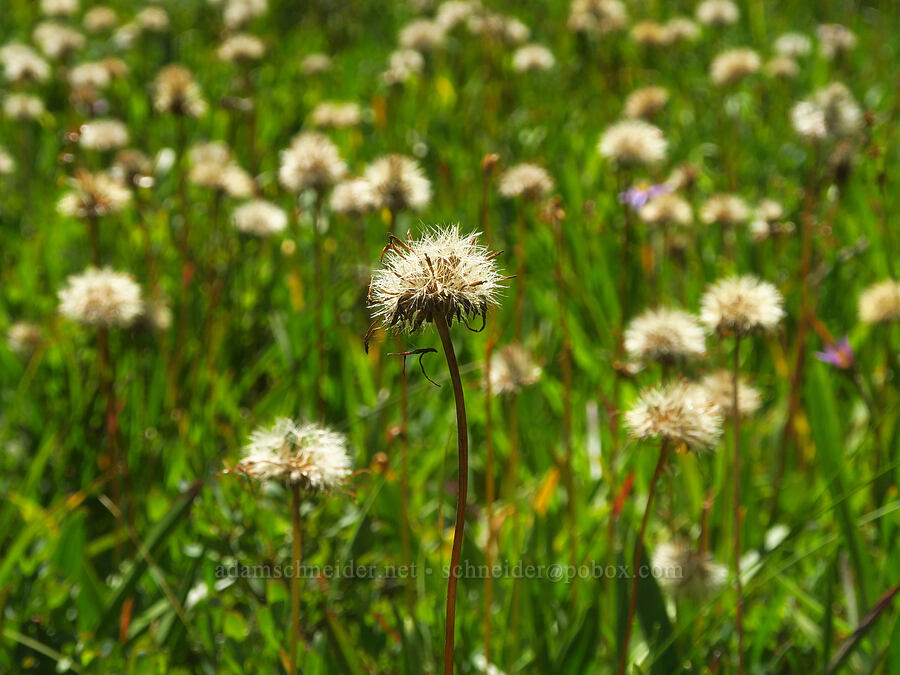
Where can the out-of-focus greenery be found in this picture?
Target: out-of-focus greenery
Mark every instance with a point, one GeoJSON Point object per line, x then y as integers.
{"type": "Point", "coordinates": [79, 591]}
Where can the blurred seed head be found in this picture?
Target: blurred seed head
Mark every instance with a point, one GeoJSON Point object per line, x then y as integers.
{"type": "Point", "coordinates": [717, 12]}
{"type": "Point", "coordinates": [402, 65]}
{"type": "Point", "coordinates": [57, 41]}
{"type": "Point", "coordinates": [93, 195]}
{"type": "Point", "coordinates": [241, 48]}
{"type": "Point", "coordinates": [353, 197]}
{"type": "Point", "coordinates": [685, 572]}
{"type": "Point", "coordinates": [311, 456]}
{"type": "Point", "coordinates": [532, 57]}
{"type": "Point", "coordinates": [633, 142]}
{"type": "Point", "coordinates": [724, 209]}
{"type": "Point", "coordinates": [335, 115]}
{"type": "Point", "coordinates": [101, 297]}
{"type": "Point", "coordinates": [398, 183]}
{"type": "Point", "coordinates": [238, 13]}
{"type": "Point", "coordinates": [665, 335]}
{"type": "Point", "coordinates": [315, 64]}
{"type": "Point", "coordinates": [103, 135]}
{"type": "Point", "coordinates": [835, 39]}
{"type": "Point", "coordinates": [99, 19]}
{"type": "Point", "coordinates": [782, 67]}
{"type": "Point", "coordinates": [92, 74]}
{"type": "Point", "coordinates": [176, 92]}
{"type": "Point", "coordinates": [512, 368]}
{"type": "Point", "coordinates": [59, 7]}
{"type": "Point", "coordinates": [646, 102]}
{"type": "Point", "coordinates": [734, 65]}
{"type": "Point", "coordinates": [422, 35]}
{"type": "Point", "coordinates": [681, 29]}
{"type": "Point", "coordinates": [880, 302]}
{"type": "Point", "coordinates": [152, 20]}
{"type": "Point", "coordinates": [832, 112]}
{"type": "Point", "coordinates": [23, 337]}
{"type": "Point", "coordinates": [498, 27]}
{"type": "Point", "coordinates": [667, 209]}
{"type": "Point", "coordinates": [793, 45]}
{"type": "Point", "coordinates": [7, 163]}
{"type": "Point", "coordinates": [741, 305]}
{"type": "Point", "coordinates": [597, 17]}
{"type": "Point", "coordinates": [311, 161]}
{"type": "Point", "coordinates": [132, 167]}
{"type": "Point", "coordinates": [650, 34]}
{"type": "Point", "coordinates": [260, 218]}
{"type": "Point", "coordinates": [678, 412]}
{"type": "Point", "coordinates": [23, 106]}
{"type": "Point", "coordinates": [21, 64]}
{"type": "Point", "coordinates": [453, 13]}
{"type": "Point", "coordinates": [213, 166]}
{"type": "Point", "coordinates": [441, 274]}
{"type": "Point", "coordinates": [529, 181]}
{"type": "Point", "coordinates": [719, 386]}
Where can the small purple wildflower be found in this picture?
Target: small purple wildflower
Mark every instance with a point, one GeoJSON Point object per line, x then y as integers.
{"type": "Point", "coordinates": [839, 354]}
{"type": "Point", "coordinates": [638, 195]}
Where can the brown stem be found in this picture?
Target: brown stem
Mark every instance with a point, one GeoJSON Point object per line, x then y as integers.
{"type": "Point", "coordinates": [638, 552]}
{"type": "Point", "coordinates": [462, 436]}
{"type": "Point", "coordinates": [94, 235]}
{"type": "Point", "coordinates": [736, 419]}
{"type": "Point", "coordinates": [519, 304]}
{"type": "Point", "coordinates": [317, 307]}
{"type": "Point", "coordinates": [295, 578]}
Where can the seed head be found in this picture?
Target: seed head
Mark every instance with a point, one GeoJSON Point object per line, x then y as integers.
{"type": "Point", "coordinates": [512, 368]}
{"type": "Point", "coordinates": [719, 387]}
{"type": "Point", "coordinates": [99, 19]}
{"type": "Point", "coordinates": [650, 34]}
{"type": "Point", "coordinates": [532, 58]}
{"type": "Point", "coordinates": [679, 412]}
{"type": "Point", "coordinates": [442, 273]}
{"type": "Point", "coordinates": [835, 39]}
{"type": "Point", "coordinates": [101, 297]}
{"type": "Point", "coordinates": [402, 65]}
{"type": "Point", "coordinates": [241, 48]}
{"type": "Point", "coordinates": [718, 12]}
{"type": "Point", "coordinates": [57, 41]}
{"type": "Point", "coordinates": [633, 142]}
{"type": "Point", "coordinates": [686, 572]}
{"type": "Point", "coordinates": [399, 183]}
{"type": "Point", "coordinates": [681, 29]}
{"type": "Point", "coordinates": [7, 163]}
{"type": "Point", "coordinates": [311, 161]}
{"type": "Point", "coordinates": [260, 218]}
{"type": "Point", "coordinates": [177, 93]}
{"type": "Point", "coordinates": [793, 45]}
{"type": "Point", "coordinates": [734, 65]}
{"type": "Point", "coordinates": [315, 64]}
{"type": "Point", "coordinates": [93, 195]}
{"type": "Point", "coordinates": [152, 20]}
{"type": "Point", "coordinates": [23, 106]}
{"type": "Point", "coordinates": [214, 167]}
{"type": "Point", "coordinates": [529, 181]}
{"type": "Point", "coordinates": [741, 305]}
{"type": "Point", "coordinates": [353, 197]}
{"type": "Point", "coordinates": [422, 35]}
{"type": "Point", "coordinates": [724, 209]}
{"type": "Point", "coordinates": [23, 337]}
{"type": "Point", "coordinates": [103, 135]}
{"type": "Point", "coordinates": [597, 17]}
{"type": "Point", "coordinates": [335, 115]}
{"type": "Point", "coordinates": [880, 302]}
{"type": "Point", "coordinates": [646, 102]}
{"type": "Point", "coordinates": [783, 67]}
{"type": "Point", "coordinates": [667, 209]}
{"type": "Point", "coordinates": [59, 7]}
{"type": "Point", "coordinates": [22, 64]}
{"type": "Point", "coordinates": [239, 13]}
{"type": "Point", "coordinates": [665, 335]}
{"type": "Point", "coordinates": [308, 455]}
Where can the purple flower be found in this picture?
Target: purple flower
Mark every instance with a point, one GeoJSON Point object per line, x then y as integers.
{"type": "Point", "coordinates": [839, 354]}
{"type": "Point", "coordinates": [638, 195]}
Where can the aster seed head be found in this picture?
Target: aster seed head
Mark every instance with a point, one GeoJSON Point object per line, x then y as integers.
{"type": "Point", "coordinates": [741, 305]}
{"type": "Point", "coordinates": [679, 412]}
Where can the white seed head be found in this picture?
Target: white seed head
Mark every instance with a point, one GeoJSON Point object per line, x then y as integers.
{"type": "Point", "coordinates": [309, 455]}
{"type": "Point", "coordinates": [94, 195]}
{"type": "Point", "coordinates": [633, 142]}
{"type": "Point", "coordinates": [646, 102]}
{"type": "Point", "coordinates": [597, 17]}
{"type": "Point", "coordinates": [880, 302]}
{"type": "Point", "coordinates": [315, 64]}
{"type": "Point", "coordinates": [241, 48]}
{"type": "Point", "coordinates": [835, 39]}
{"type": "Point", "coordinates": [453, 13]}
{"type": "Point", "coordinates": [741, 305]}
{"type": "Point", "coordinates": [665, 335]}
{"type": "Point", "coordinates": [23, 337]}
{"type": "Point", "coordinates": [399, 183]}
{"type": "Point", "coordinates": [335, 115]}
{"type": "Point", "coordinates": [23, 106]}
{"type": "Point", "coordinates": [717, 12]}
{"type": "Point", "coordinates": [724, 209]}
{"type": "Point", "coordinates": [101, 297]}
{"type": "Point", "coordinates": [667, 209]}
{"type": "Point", "coordinates": [152, 20]}
{"type": "Point", "coordinates": [719, 387]}
{"type": "Point", "coordinates": [532, 58]}
{"type": "Point", "coordinates": [23, 64]}
{"type": "Point", "coordinates": [734, 65]}
{"type": "Point", "coordinates": [685, 572]}
{"type": "Point", "coordinates": [442, 273]}
{"type": "Point", "coordinates": [681, 29]}
{"type": "Point", "coordinates": [99, 19]}
{"type": "Point", "coordinates": [57, 41]}
{"type": "Point", "coordinates": [650, 34]}
{"type": "Point", "coordinates": [260, 218]}
{"type": "Point", "coordinates": [311, 161]}
{"type": "Point", "coordinates": [176, 92]}
{"type": "Point", "coordinates": [402, 65]}
{"type": "Point", "coordinates": [239, 13]}
{"type": "Point", "coordinates": [103, 135]}
{"type": "Point", "coordinates": [782, 67]}
{"type": "Point", "coordinates": [529, 181]}
{"type": "Point", "coordinates": [7, 163]}
{"type": "Point", "coordinates": [793, 45]}
{"type": "Point", "coordinates": [353, 197]}
{"type": "Point", "coordinates": [422, 35]}
{"type": "Point", "coordinates": [832, 112]}
{"type": "Point", "coordinates": [512, 368]}
{"type": "Point", "coordinates": [214, 167]}
{"type": "Point", "coordinates": [679, 412]}
{"type": "Point", "coordinates": [59, 7]}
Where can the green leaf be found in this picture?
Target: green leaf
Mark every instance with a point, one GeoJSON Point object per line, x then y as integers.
{"type": "Point", "coordinates": [343, 646]}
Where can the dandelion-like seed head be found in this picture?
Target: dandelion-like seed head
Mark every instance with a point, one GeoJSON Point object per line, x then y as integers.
{"type": "Point", "coordinates": [719, 386]}
{"type": "Point", "coordinates": [177, 93]}
{"type": "Point", "coordinates": [7, 163]}
{"type": "Point", "coordinates": [665, 335]}
{"type": "Point", "coordinates": [532, 57]}
{"type": "Point", "coordinates": [454, 13]}
{"type": "Point", "coordinates": [152, 20]}
{"type": "Point", "coordinates": [718, 12]}
{"type": "Point", "coordinates": [441, 274]}
{"type": "Point", "coordinates": [646, 102]}
{"type": "Point", "coordinates": [793, 45]}
{"type": "Point", "coordinates": [835, 39]}
{"type": "Point", "coordinates": [679, 413]}
{"type": "Point", "coordinates": [132, 167]}
{"type": "Point", "coordinates": [597, 17]}
{"type": "Point", "coordinates": [103, 135]}
{"type": "Point", "coordinates": [241, 48]}
{"type": "Point", "coordinates": [22, 64]}
{"type": "Point", "coordinates": [505, 29]}
{"type": "Point", "coordinates": [59, 7]}
{"type": "Point", "coordinates": [686, 572]}
{"type": "Point", "coordinates": [668, 208]}
{"type": "Point", "coordinates": [94, 195]}
{"type": "Point", "coordinates": [512, 368]}
{"type": "Point", "coordinates": [335, 115]}
{"type": "Point", "coordinates": [213, 166]}
{"type": "Point", "coordinates": [880, 302]}
{"type": "Point", "coordinates": [311, 161]}
{"type": "Point", "coordinates": [311, 456]}
{"type": "Point", "coordinates": [23, 337]}
{"type": "Point", "coordinates": [529, 181]}
{"type": "Point", "coordinates": [422, 35]}
{"type": "Point", "coordinates": [353, 197]}
{"type": "Point", "coordinates": [23, 106]}
{"type": "Point", "coordinates": [633, 142]}
{"type": "Point", "coordinates": [783, 67]}
{"type": "Point", "coordinates": [100, 18]}
{"type": "Point", "coordinates": [101, 297]}
{"type": "Point", "coordinates": [734, 65]}
{"type": "Point", "coordinates": [315, 64]}
{"type": "Point", "coordinates": [741, 305]}
{"type": "Point", "coordinates": [832, 112]}
{"type": "Point", "coordinates": [650, 34]}
{"type": "Point", "coordinates": [681, 29]}
{"type": "Point", "coordinates": [238, 13]}
{"type": "Point", "coordinates": [89, 75]}
{"type": "Point", "coordinates": [260, 218]}
{"type": "Point", "coordinates": [399, 183]}
{"type": "Point", "coordinates": [724, 209]}
{"type": "Point", "coordinates": [57, 41]}
{"type": "Point", "coordinates": [402, 65]}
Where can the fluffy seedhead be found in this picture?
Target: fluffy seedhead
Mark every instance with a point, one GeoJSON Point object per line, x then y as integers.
{"type": "Point", "coordinates": [719, 386]}
{"type": "Point", "coordinates": [532, 58]}
{"type": "Point", "coordinates": [512, 368]}
{"type": "Point", "coordinates": [686, 572]}
{"type": "Point", "coordinates": [260, 218]}
{"type": "Point", "coordinates": [103, 135]}
{"type": "Point", "coordinates": [308, 455]}
{"type": "Point", "coordinates": [680, 413]}
{"type": "Point", "coordinates": [741, 305]}
{"type": "Point", "coordinates": [441, 274]}
{"type": "Point", "coordinates": [93, 195]}
{"type": "Point", "coordinates": [101, 297]}
{"type": "Point", "coordinates": [733, 65]}
{"type": "Point", "coordinates": [597, 17]}
{"type": "Point", "coordinates": [177, 93]}
{"type": "Point", "coordinates": [353, 197]}
{"type": "Point", "coordinates": [311, 161]}
{"type": "Point", "coordinates": [724, 209]}
{"type": "Point", "coordinates": [665, 335]}
{"type": "Point", "coordinates": [633, 142]}
{"type": "Point", "coordinates": [399, 183]}
{"type": "Point", "coordinates": [880, 302]}
{"type": "Point", "coordinates": [529, 181]}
